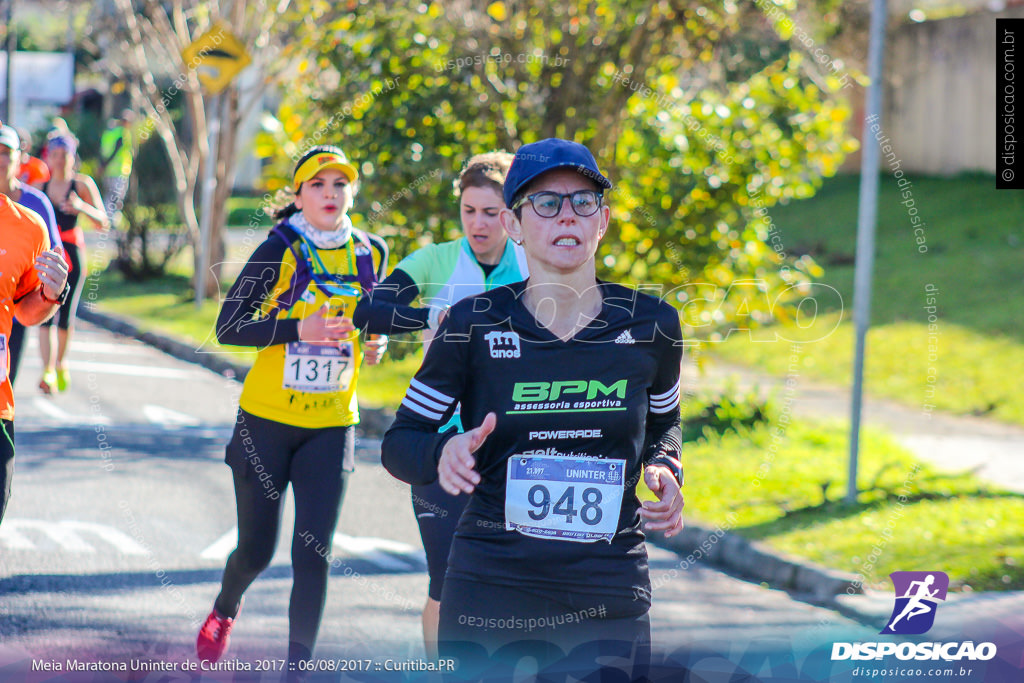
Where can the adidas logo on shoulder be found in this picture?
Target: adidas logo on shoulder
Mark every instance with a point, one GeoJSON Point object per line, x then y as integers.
{"type": "Point", "coordinates": [625, 338]}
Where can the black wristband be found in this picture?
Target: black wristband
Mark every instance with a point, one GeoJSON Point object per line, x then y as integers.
{"type": "Point", "coordinates": [61, 298]}
{"type": "Point", "coordinates": [672, 464]}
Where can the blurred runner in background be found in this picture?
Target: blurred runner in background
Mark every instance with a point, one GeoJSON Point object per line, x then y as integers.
{"type": "Point", "coordinates": [72, 194]}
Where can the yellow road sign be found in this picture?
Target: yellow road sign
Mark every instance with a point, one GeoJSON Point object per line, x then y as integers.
{"type": "Point", "coordinates": [217, 56]}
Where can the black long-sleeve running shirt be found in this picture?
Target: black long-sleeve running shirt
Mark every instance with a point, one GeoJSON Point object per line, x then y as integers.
{"type": "Point", "coordinates": [611, 393]}
{"type": "Point", "coordinates": [240, 321]}
{"type": "Point", "coordinates": [387, 309]}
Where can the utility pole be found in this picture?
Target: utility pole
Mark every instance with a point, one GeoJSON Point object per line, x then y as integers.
{"type": "Point", "coordinates": [11, 48]}
{"type": "Point", "coordinates": [866, 219]}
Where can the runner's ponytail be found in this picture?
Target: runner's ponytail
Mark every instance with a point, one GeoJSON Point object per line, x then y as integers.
{"type": "Point", "coordinates": [285, 211]}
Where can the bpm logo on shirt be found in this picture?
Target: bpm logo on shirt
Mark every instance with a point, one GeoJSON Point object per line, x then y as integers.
{"type": "Point", "coordinates": [503, 344]}
{"type": "Point", "coordinates": [917, 596]}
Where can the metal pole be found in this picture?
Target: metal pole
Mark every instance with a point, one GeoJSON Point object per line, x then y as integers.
{"type": "Point", "coordinates": [12, 48]}
{"type": "Point", "coordinates": [866, 219]}
{"type": "Point", "coordinates": [206, 216]}
{"type": "Point", "coordinates": [70, 38]}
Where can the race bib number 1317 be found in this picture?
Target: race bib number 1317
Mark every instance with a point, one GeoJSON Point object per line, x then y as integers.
{"type": "Point", "coordinates": [316, 368]}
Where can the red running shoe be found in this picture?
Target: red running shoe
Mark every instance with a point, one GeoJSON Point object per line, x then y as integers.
{"type": "Point", "coordinates": [213, 638]}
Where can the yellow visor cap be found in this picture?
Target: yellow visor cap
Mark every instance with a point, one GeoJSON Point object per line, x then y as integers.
{"type": "Point", "coordinates": [319, 162]}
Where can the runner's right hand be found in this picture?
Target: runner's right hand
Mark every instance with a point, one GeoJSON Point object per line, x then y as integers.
{"type": "Point", "coordinates": [52, 270]}
{"type": "Point", "coordinates": [322, 328]}
{"type": "Point", "coordinates": [455, 469]}
{"type": "Point", "coordinates": [374, 347]}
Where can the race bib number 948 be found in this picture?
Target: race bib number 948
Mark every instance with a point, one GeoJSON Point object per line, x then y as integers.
{"type": "Point", "coordinates": [566, 498]}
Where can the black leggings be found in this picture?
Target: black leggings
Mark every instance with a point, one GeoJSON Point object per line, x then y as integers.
{"type": "Point", "coordinates": [491, 628]}
{"type": "Point", "coordinates": [15, 343]}
{"type": "Point", "coordinates": [265, 456]}
{"type": "Point", "coordinates": [437, 514]}
{"type": "Point", "coordinates": [6, 463]}
{"type": "Point", "coordinates": [65, 315]}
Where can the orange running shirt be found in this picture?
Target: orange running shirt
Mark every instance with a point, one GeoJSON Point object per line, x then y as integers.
{"type": "Point", "coordinates": [22, 238]}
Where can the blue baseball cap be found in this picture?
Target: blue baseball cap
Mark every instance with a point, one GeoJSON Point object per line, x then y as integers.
{"type": "Point", "coordinates": [546, 155]}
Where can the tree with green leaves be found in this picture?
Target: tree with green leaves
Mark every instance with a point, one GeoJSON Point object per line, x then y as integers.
{"type": "Point", "coordinates": [148, 39]}
{"type": "Point", "coordinates": [704, 115]}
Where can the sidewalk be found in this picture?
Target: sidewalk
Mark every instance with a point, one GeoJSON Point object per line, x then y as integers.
{"type": "Point", "coordinates": [994, 451]}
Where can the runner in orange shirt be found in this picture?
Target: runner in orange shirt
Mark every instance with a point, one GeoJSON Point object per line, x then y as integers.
{"type": "Point", "coordinates": [33, 171]}
{"type": "Point", "coordinates": [32, 286]}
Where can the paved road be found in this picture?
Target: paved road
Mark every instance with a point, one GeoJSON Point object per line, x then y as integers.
{"type": "Point", "coordinates": [122, 516]}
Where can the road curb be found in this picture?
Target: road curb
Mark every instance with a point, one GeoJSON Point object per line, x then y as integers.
{"type": "Point", "coordinates": [757, 562]}
{"type": "Point", "coordinates": [373, 422]}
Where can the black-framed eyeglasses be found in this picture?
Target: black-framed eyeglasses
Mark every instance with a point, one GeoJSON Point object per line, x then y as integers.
{"type": "Point", "coordinates": [549, 204]}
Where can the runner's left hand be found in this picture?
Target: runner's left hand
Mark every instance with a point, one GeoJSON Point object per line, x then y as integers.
{"type": "Point", "coordinates": [665, 514]}
{"type": "Point", "coordinates": [73, 205]}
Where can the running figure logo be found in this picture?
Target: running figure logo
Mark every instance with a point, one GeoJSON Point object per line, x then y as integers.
{"type": "Point", "coordinates": [917, 596]}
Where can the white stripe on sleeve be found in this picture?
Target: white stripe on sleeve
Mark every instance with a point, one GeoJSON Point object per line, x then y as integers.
{"type": "Point", "coordinates": [666, 402]}
{"type": "Point", "coordinates": [670, 401]}
{"type": "Point", "coordinates": [672, 393]}
{"type": "Point", "coordinates": [411, 404]}
{"type": "Point", "coordinates": [432, 393]}
{"type": "Point", "coordinates": [666, 409]}
{"type": "Point", "coordinates": [425, 400]}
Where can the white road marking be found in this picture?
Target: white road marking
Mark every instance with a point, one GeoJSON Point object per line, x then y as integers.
{"type": "Point", "coordinates": [222, 547]}
{"type": "Point", "coordinates": [133, 370]}
{"type": "Point", "coordinates": [166, 417]}
{"type": "Point", "coordinates": [67, 534]}
{"type": "Point", "coordinates": [383, 552]}
{"type": "Point", "coordinates": [380, 551]}
{"type": "Point", "coordinates": [114, 349]}
{"type": "Point", "coordinates": [48, 408]}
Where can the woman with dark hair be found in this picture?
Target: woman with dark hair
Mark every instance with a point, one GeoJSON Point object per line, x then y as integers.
{"type": "Point", "coordinates": [293, 301]}
{"type": "Point", "coordinates": [569, 389]}
{"type": "Point", "coordinates": [72, 194]}
{"type": "Point", "coordinates": [440, 275]}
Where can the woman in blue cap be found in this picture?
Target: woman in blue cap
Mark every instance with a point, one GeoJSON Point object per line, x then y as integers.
{"type": "Point", "coordinates": [72, 194]}
{"type": "Point", "coordinates": [571, 385]}
{"type": "Point", "coordinates": [293, 301]}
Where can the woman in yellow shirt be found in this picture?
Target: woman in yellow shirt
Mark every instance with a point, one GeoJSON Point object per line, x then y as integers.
{"type": "Point", "coordinates": [297, 413]}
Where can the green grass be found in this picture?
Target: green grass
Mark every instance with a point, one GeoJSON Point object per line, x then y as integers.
{"type": "Point", "coordinates": [790, 497]}
{"type": "Point", "coordinates": [384, 385]}
{"type": "Point", "coordinates": [975, 248]}
{"type": "Point", "coordinates": [246, 211]}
